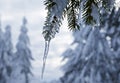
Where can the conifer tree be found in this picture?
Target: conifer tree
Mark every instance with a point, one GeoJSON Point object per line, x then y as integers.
{"type": "Point", "coordinates": [72, 55]}
{"type": "Point", "coordinates": [23, 53]}
{"type": "Point", "coordinates": [91, 63]}
{"type": "Point", "coordinates": [6, 55]}
{"type": "Point", "coordinates": [8, 52]}
{"type": "Point", "coordinates": [2, 60]}
{"type": "Point", "coordinates": [98, 60]}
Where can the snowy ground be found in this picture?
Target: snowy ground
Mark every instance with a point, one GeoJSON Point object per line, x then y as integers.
{"type": "Point", "coordinates": [12, 13]}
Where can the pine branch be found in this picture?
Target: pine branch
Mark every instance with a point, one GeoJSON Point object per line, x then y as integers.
{"type": "Point", "coordinates": [54, 18]}
{"type": "Point", "coordinates": [72, 12]}
{"type": "Point", "coordinates": [87, 10]}
{"type": "Point", "coordinates": [51, 24]}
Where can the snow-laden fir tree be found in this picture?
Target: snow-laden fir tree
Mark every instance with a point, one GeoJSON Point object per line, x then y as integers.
{"type": "Point", "coordinates": [23, 54]}
{"type": "Point", "coordinates": [3, 76]}
{"type": "Point", "coordinates": [6, 55]}
{"type": "Point", "coordinates": [8, 52]}
{"type": "Point", "coordinates": [90, 62]}
{"type": "Point", "coordinates": [72, 54]}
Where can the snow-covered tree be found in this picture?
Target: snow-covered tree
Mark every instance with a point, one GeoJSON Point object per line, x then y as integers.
{"type": "Point", "coordinates": [91, 60]}
{"type": "Point", "coordinates": [23, 53]}
{"type": "Point", "coordinates": [97, 60]}
{"type": "Point", "coordinates": [6, 55]}
{"type": "Point", "coordinates": [8, 52]}
{"type": "Point", "coordinates": [2, 61]}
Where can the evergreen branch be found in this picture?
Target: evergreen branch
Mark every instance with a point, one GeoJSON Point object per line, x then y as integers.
{"type": "Point", "coordinates": [54, 18]}
{"type": "Point", "coordinates": [87, 10]}
{"type": "Point", "coordinates": [49, 4]}
{"type": "Point", "coordinates": [72, 11]}
{"type": "Point", "coordinates": [51, 24]}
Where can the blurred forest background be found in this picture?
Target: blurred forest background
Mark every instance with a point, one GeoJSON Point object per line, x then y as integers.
{"type": "Point", "coordinates": [88, 55]}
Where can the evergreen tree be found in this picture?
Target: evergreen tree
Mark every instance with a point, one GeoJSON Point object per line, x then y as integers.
{"type": "Point", "coordinates": [23, 53]}
{"type": "Point", "coordinates": [72, 55]}
{"type": "Point", "coordinates": [5, 55]}
{"type": "Point", "coordinates": [2, 60]}
{"type": "Point", "coordinates": [91, 63]}
{"type": "Point", "coordinates": [8, 55]}
{"type": "Point", "coordinates": [97, 61]}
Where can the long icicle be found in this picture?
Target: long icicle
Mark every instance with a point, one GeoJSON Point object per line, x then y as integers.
{"type": "Point", "coordinates": [47, 43]}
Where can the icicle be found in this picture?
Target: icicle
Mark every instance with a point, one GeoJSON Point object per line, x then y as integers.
{"type": "Point", "coordinates": [47, 43]}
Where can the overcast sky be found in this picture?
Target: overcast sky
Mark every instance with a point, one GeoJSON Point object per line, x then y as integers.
{"type": "Point", "coordinates": [12, 12]}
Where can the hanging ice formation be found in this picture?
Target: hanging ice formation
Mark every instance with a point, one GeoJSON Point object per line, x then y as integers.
{"type": "Point", "coordinates": [53, 21]}
{"type": "Point", "coordinates": [45, 56]}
